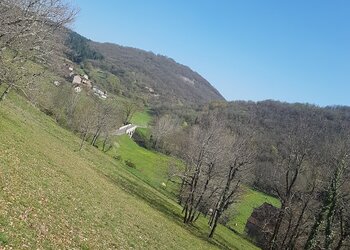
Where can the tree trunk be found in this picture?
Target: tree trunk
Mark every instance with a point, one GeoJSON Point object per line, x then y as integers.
{"type": "Point", "coordinates": [197, 216]}
{"type": "Point", "coordinates": [185, 211]}
{"type": "Point", "coordinates": [214, 224]}
{"type": "Point", "coordinates": [105, 143]}
{"type": "Point", "coordinates": [286, 234]}
{"type": "Point", "coordinates": [4, 94]}
{"type": "Point", "coordinates": [211, 219]}
{"type": "Point", "coordinates": [326, 213]}
{"type": "Point", "coordinates": [340, 242]}
{"type": "Point", "coordinates": [179, 198]}
{"type": "Point", "coordinates": [277, 227]}
{"type": "Point", "coordinates": [329, 221]}
{"type": "Point", "coordinates": [82, 141]}
{"type": "Point", "coordinates": [343, 235]}
{"type": "Point", "coordinates": [96, 135]}
{"type": "Point", "coordinates": [293, 236]}
{"type": "Point", "coordinates": [191, 198]}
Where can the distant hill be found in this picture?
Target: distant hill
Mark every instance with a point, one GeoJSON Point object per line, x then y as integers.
{"type": "Point", "coordinates": [143, 72]}
{"type": "Point", "coordinates": [169, 79]}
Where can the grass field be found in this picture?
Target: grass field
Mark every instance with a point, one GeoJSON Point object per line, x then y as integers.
{"type": "Point", "coordinates": [152, 168]}
{"type": "Point", "coordinates": [141, 118]}
{"type": "Point", "coordinates": [242, 210]}
{"type": "Point", "coordinates": [55, 197]}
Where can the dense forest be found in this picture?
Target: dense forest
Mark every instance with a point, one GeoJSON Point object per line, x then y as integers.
{"type": "Point", "coordinates": [79, 49]}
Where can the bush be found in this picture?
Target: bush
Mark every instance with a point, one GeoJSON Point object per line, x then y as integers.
{"type": "Point", "coordinates": [3, 239]}
{"type": "Point", "coordinates": [142, 139]}
{"type": "Point", "coordinates": [130, 164]}
{"type": "Point", "coordinates": [118, 157]}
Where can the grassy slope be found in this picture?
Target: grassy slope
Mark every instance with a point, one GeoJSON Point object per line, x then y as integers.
{"type": "Point", "coordinates": [243, 209]}
{"type": "Point", "coordinates": [152, 168]}
{"type": "Point", "coordinates": [54, 197]}
{"type": "Point", "coordinates": [141, 119]}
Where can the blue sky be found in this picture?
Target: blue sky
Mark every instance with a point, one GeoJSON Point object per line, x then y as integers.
{"type": "Point", "coordinates": [294, 51]}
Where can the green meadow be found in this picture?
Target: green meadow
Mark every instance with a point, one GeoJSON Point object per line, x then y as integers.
{"type": "Point", "coordinates": [55, 197]}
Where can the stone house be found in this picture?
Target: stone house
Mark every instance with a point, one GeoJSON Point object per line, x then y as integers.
{"type": "Point", "coordinates": [76, 79]}
{"type": "Point", "coordinates": [261, 224]}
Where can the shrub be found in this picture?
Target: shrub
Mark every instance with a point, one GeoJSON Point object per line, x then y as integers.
{"type": "Point", "coordinates": [130, 164]}
{"type": "Point", "coordinates": [142, 139]}
{"type": "Point", "coordinates": [3, 239]}
{"type": "Point", "coordinates": [118, 157]}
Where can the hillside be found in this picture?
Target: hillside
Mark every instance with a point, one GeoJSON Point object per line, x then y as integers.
{"type": "Point", "coordinates": [143, 73]}
{"type": "Point", "coordinates": [269, 120]}
{"type": "Point", "coordinates": [56, 197]}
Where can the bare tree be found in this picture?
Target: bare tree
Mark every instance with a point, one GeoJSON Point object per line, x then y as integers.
{"type": "Point", "coordinates": [293, 157]}
{"type": "Point", "coordinates": [331, 223]}
{"type": "Point", "coordinates": [30, 30]}
{"type": "Point", "coordinates": [240, 155]}
{"type": "Point", "coordinates": [84, 120]}
{"type": "Point", "coordinates": [163, 127]}
{"type": "Point", "coordinates": [129, 108]}
{"type": "Point", "coordinates": [202, 152]}
{"type": "Point", "coordinates": [106, 119]}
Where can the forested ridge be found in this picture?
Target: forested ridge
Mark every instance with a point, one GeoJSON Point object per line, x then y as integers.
{"type": "Point", "coordinates": [139, 70]}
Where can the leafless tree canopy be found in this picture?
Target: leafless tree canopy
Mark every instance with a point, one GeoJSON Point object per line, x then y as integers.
{"type": "Point", "coordinates": [30, 30]}
{"type": "Point", "coordinates": [217, 162]}
{"type": "Point", "coordinates": [129, 108]}
{"type": "Point", "coordinates": [28, 25]}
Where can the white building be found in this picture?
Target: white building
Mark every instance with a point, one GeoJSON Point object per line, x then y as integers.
{"type": "Point", "coordinates": [131, 130]}
{"type": "Point", "coordinates": [127, 129]}
{"type": "Point", "coordinates": [99, 93]}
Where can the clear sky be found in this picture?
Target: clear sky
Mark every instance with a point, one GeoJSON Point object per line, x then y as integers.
{"type": "Point", "coordinates": [294, 51]}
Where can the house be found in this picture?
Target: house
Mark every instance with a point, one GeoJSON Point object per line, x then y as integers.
{"type": "Point", "coordinates": [150, 89]}
{"type": "Point", "coordinates": [131, 130]}
{"type": "Point", "coordinates": [261, 224]}
{"type": "Point", "coordinates": [87, 83]}
{"type": "Point", "coordinates": [127, 129]}
{"type": "Point", "coordinates": [56, 83]}
{"type": "Point", "coordinates": [76, 79]}
{"type": "Point", "coordinates": [77, 89]}
{"type": "Point", "coordinates": [99, 93]}
{"type": "Point", "coordinates": [86, 77]}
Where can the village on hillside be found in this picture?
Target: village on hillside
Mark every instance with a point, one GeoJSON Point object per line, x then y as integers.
{"type": "Point", "coordinates": [80, 82]}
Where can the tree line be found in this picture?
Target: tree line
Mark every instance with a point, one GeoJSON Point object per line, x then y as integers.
{"type": "Point", "coordinates": [297, 153]}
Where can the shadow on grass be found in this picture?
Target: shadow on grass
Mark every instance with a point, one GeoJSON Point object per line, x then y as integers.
{"type": "Point", "coordinates": [163, 206]}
